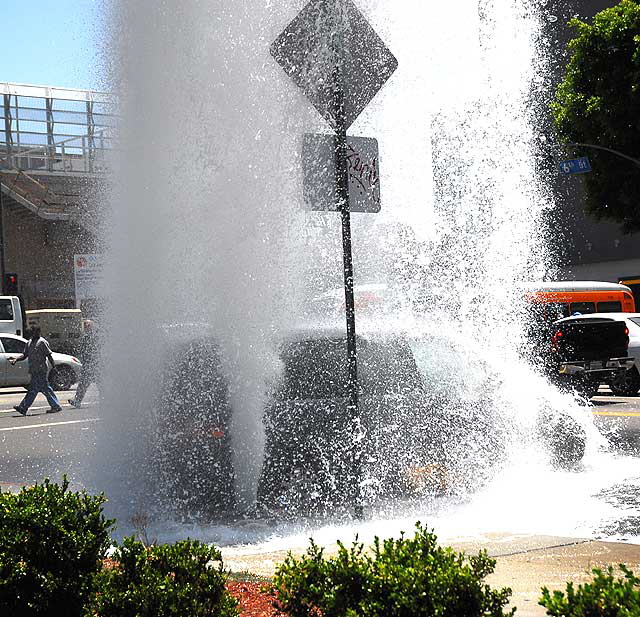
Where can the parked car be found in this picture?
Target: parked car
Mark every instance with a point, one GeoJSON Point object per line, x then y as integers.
{"type": "Point", "coordinates": [309, 461]}
{"type": "Point", "coordinates": [586, 350]}
{"type": "Point", "coordinates": [63, 328]}
{"type": "Point", "coordinates": [431, 411]}
{"type": "Point", "coordinates": [64, 374]}
{"type": "Point", "coordinates": [625, 382]}
{"type": "Point", "coordinates": [431, 415]}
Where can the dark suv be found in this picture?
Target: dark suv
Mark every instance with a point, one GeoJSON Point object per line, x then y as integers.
{"type": "Point", "coordinates": [430, 410]}
{"type": "Point", "coordinates": [424, 428]}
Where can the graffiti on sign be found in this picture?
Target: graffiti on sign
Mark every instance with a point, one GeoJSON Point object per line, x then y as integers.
{"type": "Point", "coordinates": [318, 163]}
{"type": "Point", "coordinates": [363, 172]}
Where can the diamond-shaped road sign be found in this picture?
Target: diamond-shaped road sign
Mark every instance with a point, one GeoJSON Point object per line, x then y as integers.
{"type": "Point", "coordinates": [330, 47]}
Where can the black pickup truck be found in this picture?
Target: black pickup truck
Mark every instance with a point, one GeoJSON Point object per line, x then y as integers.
{"type": "Point", "coordinates": [585, 351]}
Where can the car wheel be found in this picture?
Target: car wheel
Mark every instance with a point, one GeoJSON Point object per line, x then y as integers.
{"type": "Point", "coordinates": [586, 387]}
{"type": "Point", "coordinates": [626, 383]}
{"type": "Point", "coordinates": [61, 378]}
{"type": "Point", "coordinates": [563, 437]}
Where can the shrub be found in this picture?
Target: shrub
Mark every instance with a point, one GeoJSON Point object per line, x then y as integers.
{"type": "Point", "coordinates": [408, 576]}
{"type": "Point", "coordinates": [169, 580]}
{"type": "Point", "coordinates": [605, 596]}
{"type": "Point", "coordinates": [52, 541]}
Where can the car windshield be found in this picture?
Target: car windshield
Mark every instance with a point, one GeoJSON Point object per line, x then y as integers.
{"type": "Point", "coordinates": [317, 368]}
{"type": "Point", "coordinates": [589, 320]}
{"type": "Point", "coordinates": [438, 361]}
{"type": "Point", "coordinates": [388, 367]}
{"type": "Point", "coordinates": [314, 369]}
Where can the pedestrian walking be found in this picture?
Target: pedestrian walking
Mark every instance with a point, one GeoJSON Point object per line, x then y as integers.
{"type": "Point", "coordinates": [37, 352]}
{"type": "Point", "coordinates": [89, 356]}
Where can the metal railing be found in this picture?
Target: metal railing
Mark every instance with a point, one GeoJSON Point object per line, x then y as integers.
{"type": "Point", "coordinates": [55, 130]}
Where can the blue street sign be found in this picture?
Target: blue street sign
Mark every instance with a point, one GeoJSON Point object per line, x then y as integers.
{"type": "Point", "coordinates": [576, 166]}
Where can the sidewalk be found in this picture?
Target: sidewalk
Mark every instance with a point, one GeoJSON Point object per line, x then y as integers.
{"type": "Point", "coordinates": [524, 563]}
{"type": "Point", "coordinates": [533, 563]}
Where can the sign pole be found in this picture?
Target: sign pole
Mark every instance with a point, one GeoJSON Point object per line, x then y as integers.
{"type": "Point", "coordinates": [342, 193]}
{"type": "Point", "coordinates": [357, 66]}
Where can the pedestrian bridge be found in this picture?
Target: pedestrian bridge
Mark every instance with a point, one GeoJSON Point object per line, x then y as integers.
{"type": "Point", "coordinates": [55, 143]}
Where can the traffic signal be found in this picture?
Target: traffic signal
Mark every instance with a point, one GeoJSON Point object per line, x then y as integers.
{"type": "Point", "coordinates": [11, 284]}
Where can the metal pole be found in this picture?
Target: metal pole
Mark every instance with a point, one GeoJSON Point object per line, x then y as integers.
{"type": "Point", "coordinates": [2, 243]}
{"type": "Point", "coordinates": [8, 129]}
{"type": "Point", "coordinates": [90, 137]}
{"type": "Point", "coordinates": [51, 150]}
{"type": "Point", "coordinates": [597, 147]}
{"type": "Point", "coordinates": [342, 193]}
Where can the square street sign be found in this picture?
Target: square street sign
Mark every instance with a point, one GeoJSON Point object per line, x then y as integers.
{"type": "Point", "coordinates": [319, 168]}
{"type": "Point", "coordinates": [331, 47]}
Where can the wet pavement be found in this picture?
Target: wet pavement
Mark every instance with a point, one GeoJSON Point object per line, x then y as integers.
{"type": "Point", "coordinates": [552, 565]}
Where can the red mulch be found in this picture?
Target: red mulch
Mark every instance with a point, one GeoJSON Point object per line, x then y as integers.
{"type": "Point", "coordinates": [254, 598]}
{"type": "Point", "coordinates": [254, 602]}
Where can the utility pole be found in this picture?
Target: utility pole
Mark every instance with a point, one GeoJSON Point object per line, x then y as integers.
{"type": "Point", "coordinates": [342, 192]}
{"type": "Point", "coordinates": [339, 84]}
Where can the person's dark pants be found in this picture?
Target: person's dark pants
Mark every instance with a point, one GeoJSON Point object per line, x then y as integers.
{"type": "Point", "coordinates": [39, 383]}
{"type": "Point", "coordinates": [87, 377]}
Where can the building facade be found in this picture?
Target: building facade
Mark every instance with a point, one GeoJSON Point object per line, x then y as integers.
{"type": "Point", "coordinates": [55, 145]}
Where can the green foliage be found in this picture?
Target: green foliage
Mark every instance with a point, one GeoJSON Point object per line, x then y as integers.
{"type": "Point", "coordinates": [169, 580]}
{"type": "Point", "coordinates": [605, 596]}
{"type": "Point", "coordinates": [52, 542]}
{"type": "Point", "coordinates": [599, 103]}
{"type": "Point", "coordinates": [408, 576]}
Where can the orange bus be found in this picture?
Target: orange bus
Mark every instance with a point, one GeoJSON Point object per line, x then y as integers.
{"type": "Point", "coordinates": [564, 298]}
{"type": "Point", "coordinates": [633, 283]}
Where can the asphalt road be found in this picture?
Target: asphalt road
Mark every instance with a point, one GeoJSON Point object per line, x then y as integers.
{"type": "Point", "coordinates": [41, 444]}
{"type": "Point", "coordinates": [49, 445]}
{"type": "Point", "coordinates": [618, 417]}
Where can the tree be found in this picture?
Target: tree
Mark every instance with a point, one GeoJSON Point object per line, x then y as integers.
{"type": "Point", "coordinates": [599, 103]}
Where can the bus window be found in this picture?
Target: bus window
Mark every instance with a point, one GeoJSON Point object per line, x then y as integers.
{"type": "Point", "coordinates": [583, 307]}
{"type": "Point", "coordinates": [633, 282]}
{"type": "Point", "coordinates": [609, 307]}
{"type": "Point", "coordinates": [556, 310]}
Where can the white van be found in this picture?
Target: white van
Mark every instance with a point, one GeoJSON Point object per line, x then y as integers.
{"type": "Point", "coordinates": [63, 328]}
{"type": "Point", "coordinates": [11, 315]}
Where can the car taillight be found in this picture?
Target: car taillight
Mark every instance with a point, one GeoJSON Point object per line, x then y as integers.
{"type": "Point", "coordinates": [626, 331]}
{"type": "Point", "coordinates": [555, 339]}
{"type": "Point", "coordinates": [217, 433]}
{"type": "Point", "coordinates": [75, 359]}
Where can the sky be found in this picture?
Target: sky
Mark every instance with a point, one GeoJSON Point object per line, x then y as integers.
{"type": "Point", "coordinates": [51, 42]}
